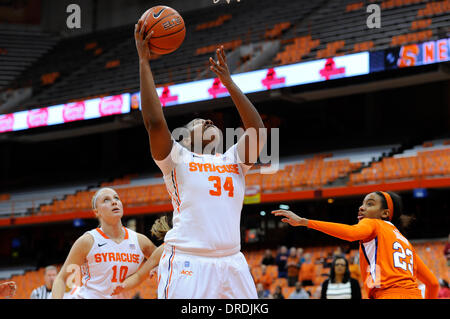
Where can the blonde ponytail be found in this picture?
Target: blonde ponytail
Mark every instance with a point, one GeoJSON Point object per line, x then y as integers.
{"type": "Point", "coordinates": [160, 228]}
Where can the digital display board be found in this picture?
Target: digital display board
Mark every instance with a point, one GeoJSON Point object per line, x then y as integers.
{"type": "Point", "coordinates": [64, 113]}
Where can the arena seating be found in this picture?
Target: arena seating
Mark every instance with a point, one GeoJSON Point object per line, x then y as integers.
{"type": "Point", "coordinates": [28, 202]}
{"type": "Point", "coordinates": [349, 167]}
{"type": "Point", "coordinates": [20, 47]}
{"type": "Point", "coordinates": [306, 30]}
{"type": "Point", "coordinates": [430, 161]}
{"type": "Point", "coordinates": [431, 252]}
{"type": "Point", "coordinates": [306, 172]}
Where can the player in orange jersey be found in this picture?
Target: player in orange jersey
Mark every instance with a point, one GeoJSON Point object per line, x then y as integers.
{"type": "Point", "coordinates": [202, 257]}
{"type": "Point", "coordinates": [107, 254]}
{"type": "Point", "coordinates": [389, 264]}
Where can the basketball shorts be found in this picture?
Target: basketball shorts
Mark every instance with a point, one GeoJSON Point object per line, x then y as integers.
{"type": "Point", "coordinates": [187, 276]}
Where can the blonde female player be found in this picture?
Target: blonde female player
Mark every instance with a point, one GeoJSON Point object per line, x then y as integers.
{"type": "Point", "coordinates": [107, 254]}
{"type": "Point", "coordinates": [202, 257]}
{"type": "Point", "coordinates": [389, 264]}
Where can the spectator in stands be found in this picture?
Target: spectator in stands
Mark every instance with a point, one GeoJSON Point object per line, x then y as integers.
{"type": "Point", "coordinates": [8, 289]}
{"type": "Point", "coordinates": [265, 279]}
{"type": "Point", "coordinates": [376, 233]}
{"type": "Point", "coordinates": [299, 292]}
{"type": "Point", "coordinates": [268, 258]}
{"type": "Point", "coordinates": [278, 294]}
{"type": "Point", "coordinates": [281, 262]}
{"type": "Point", "coordinates": [340, 285]}
{"type": "Point", "coordinates": [45, 291]}
{"type": "Point", "coordinates": [447, 251]}
{"type": "Point", "coordinates": [444, 290]}
{"type": "Point", "coordinates": [262, 293]}
{"type": "Point", "coordinates": [338, 252]}
{"type": "Point", "coordinates": [292, 265]}
{"type": "Point", "coordinates": [301, 258]}
{"type": "Point", "coordinates": [307, 271]}
{"type": "Point", "coordinates": [327, 260]}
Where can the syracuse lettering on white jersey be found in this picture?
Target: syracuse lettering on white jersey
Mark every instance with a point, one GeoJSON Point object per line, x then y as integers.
{"type": "Point", "coordinates": [108, 264]}
{"type": "Point", "coordinates": [207, 194]}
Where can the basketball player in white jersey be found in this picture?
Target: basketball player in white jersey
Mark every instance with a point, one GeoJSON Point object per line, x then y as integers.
{"type": "Point", "coordinates": [201, 257]}
{"type": "Point", "coordinates": [106, 255]}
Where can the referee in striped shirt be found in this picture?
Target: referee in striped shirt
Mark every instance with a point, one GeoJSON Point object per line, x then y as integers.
{"type": "Point", "coordinates": [45, 291]}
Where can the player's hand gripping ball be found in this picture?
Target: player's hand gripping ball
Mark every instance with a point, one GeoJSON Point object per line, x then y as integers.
{"type": "Point", "coordinates": [167, 27]}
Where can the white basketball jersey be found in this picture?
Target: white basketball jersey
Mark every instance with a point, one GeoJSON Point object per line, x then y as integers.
{"type": "Point", "coordinates": [108, 264]}
{"type": "Point", "coordinates": [207, 194]}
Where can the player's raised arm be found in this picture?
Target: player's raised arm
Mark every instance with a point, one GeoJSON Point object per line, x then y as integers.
{"type": "Point", "coordinates": [249, 115]}
{"type": "Point", "coordinates": [152, 113]}
{"type": "Point", "coordinates": [76, 258]}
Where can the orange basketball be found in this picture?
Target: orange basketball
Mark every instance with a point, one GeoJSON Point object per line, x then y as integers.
{"type": "Point", "coordinates": [168, 29]}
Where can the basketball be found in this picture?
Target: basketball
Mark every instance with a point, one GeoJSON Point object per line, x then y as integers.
{"type": "Point", "coordinates": [168, 29]}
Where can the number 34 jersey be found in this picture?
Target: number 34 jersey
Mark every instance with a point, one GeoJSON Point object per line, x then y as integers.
{"type": "Point", "coordinates": [207, 193]}
{"type": "Point", "coordinates": [108, 264]}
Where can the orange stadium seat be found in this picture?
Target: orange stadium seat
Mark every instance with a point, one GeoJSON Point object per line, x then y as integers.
{"type": "Point", "coordinates": [398, 40]}
{"type": "Point", "coordinates": [420, 24]}
{"type": "Point", "coordinates": [354, 6]}
{"type": "Point", "coordinates": [331, 49]}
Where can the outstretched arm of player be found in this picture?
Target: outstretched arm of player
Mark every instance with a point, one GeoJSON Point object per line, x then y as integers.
{"type": "Point", "coordinates": [248, 152]}
{"type": "Point", "coordinates": [152, 113]}
{"type": "Point", "coordinates": [139, 276]}
{"type": "Point", "coordinates": [363, 230]}
{"type": "Point", "coordinates": [75, 259]}
{"type": "Point", "coordinates": [428, 278]}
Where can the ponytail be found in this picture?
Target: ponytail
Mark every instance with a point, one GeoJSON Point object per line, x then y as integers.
{"type": "Point", "coordinates": [404, 220]}
{"type": "Point", "coordinates": [160, 228]}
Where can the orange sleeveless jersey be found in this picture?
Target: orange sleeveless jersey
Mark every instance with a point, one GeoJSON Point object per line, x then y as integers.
{"type": "Point", "coordinates": [389, 264]}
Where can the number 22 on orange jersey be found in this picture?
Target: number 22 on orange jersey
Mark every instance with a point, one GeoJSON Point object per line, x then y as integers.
{"type": "Point", "coordinates": [227, 186]}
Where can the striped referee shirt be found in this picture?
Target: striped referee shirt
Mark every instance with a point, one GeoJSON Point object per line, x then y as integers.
{"type": "Point", "coordinates": [41, 293]}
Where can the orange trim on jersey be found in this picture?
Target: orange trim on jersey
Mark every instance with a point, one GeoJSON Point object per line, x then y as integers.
{"type": "Point", "coordinates": [106, 237]}
{"type": "Point", "coordinates": [171, 270]}
{"type": "Point", "coordinates": [390, 204]}
{"type": "Point", "coordinates": [174, 200]}
{"type": "Point", "coordinates": [102, 233]}
{"type": "Point", "coordinates": [73, 290]}
{"type": "Point", "coordinates": [89, 273]}
{"type": "Point", "coordinates": [176, 187]}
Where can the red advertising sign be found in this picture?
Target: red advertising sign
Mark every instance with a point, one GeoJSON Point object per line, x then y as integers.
{"type": "Point", "coordinates": [111, 105]}
{"type": "Point", "coordinates": [38, 117]}
{"type": "Point", "coordinates": [331, 71]}
{"type": "Point", "coordinates": [166, 98]}
{"type": "Point", "coordinates": [271, 79]}
{"type": "Point", "coordinates": [74, 111]}
{"type": "Point", "coordinates": [217, 89]}
{"type": "Point", "coordinates": [6, 122]}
